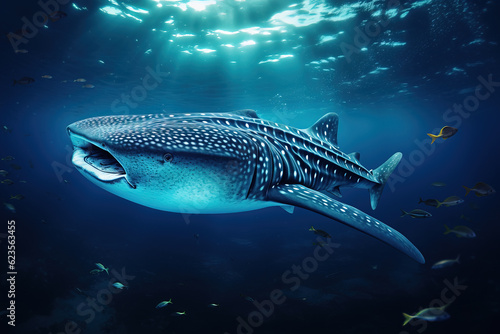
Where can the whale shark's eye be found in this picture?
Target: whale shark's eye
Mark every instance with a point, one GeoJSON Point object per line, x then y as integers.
{"type": "Point", "coordinates": [168, 157]}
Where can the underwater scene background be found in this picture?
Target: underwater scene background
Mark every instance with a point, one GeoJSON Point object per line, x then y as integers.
{"type": "Point", "coordinates": [392, 70]}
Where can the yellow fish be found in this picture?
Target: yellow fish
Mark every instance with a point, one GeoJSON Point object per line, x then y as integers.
{"type": "Point", "coordinates": [428, 314]}
{"type": "Point", "coordinates": [481, 189]}
{"type": "Point", "coordinates": [164, 303]}
{"type": "Point", "coordinates": [460, 231]}
{"type": "Point", "coordinates": [445, 133]}
{"type": "Point", "coordinates": [450, 201]}
{"type": "Point", "coordinates": [320, 232]}
{"type": "Point", "coordinates": [18, 197]}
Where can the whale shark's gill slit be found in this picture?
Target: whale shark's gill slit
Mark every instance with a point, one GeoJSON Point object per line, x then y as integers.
{"type": "Point", "coordinates": [252, 183]}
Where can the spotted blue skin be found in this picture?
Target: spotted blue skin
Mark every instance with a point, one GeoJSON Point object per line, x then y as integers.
{"type": "Point", "coordinates": [229, 162]}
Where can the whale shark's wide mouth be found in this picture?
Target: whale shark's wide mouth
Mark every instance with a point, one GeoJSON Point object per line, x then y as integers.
{"type": "Point", "coordinates": [94, 159]}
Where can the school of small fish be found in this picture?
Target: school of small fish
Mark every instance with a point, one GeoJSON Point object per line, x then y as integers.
{"type": "Point", "coordinates": [481, 189]}
{"type": "Point", "coordinates": [120, 286]}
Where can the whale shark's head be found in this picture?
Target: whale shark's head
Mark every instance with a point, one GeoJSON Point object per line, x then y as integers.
{"type": "Point", "coordinates": [170, 164]}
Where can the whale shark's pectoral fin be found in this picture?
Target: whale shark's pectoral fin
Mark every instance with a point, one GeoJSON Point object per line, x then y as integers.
{"type": "Point", "coordinates": [298, 195]}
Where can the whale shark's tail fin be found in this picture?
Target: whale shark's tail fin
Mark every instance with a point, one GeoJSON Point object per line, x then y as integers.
{"type": "Point", "coordinates": [382, 174]}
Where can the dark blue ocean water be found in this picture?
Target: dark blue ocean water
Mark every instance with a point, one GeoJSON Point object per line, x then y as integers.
{"type": "Point", "coordinates": [393, 71]}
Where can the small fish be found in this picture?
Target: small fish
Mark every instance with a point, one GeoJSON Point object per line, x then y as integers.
{"type": "Point", "coordinates": [332, 274]}
{"type": "Point", "coordinates": [7, 181]}
{"type": "Point", "coordinates": [320, 232]}
{"type": "Point", "coordinates": [21, 51]}
{"type": "Point", "coordinates": [445, 133]}
{"type": "Point", "coordinates": [164, 303]}
{"type": "Point", "coordinates": [47, 76]}
{"type": "Point", "coordinates": [213, 305]}
{"type": "Point", "coordinates": [481, 189]}
{"type": "Point", "coordinates": [80, 292]}
{"type": "Point", "coordinates": [23, 181]}
{"type": "Point", "coordinates": [6, 129]}
{"type": "Point", "coordinates": [18, 197]}
{"type": "Point", "coordinates": [3, 172]}
{"type": "Point", "coordinates": [176, 314]}
{"type": "Point", "coordinates": [438, 184]}
{"type": "Point", "coordinates": [88, 86]}
{"type": "Point", "coordinates": [8, 158]}
{"type": "Point", "coordinates": [118, 285]}
{"type": "Point", "coordinates": [248, 298]}
{"type": "Point", "coordinates": [429, 314]}
{"type": "Point", "coordinates": [429, 202]}
{"type": "Point", "coordinates": [464, 217]}
{"type": "Point", "coordinates": [95, 271]}
{"type": "Point", "coordinates": [57, 15]}
{"type": "Point", "coordinates": [23, 81]}
{"type": "Point", "coordinates": [102, 267]}
{"type": "Point", "coordinates": [319, 243]}
{"type": "Point", "coordinates": [450, 201]}
{"type": "Point", "coordinates": [10, 207]}
{"type": "Point", "coordinates": [417, 213]}
{"type": "Point", "coordinates": [446, 263]}
{"type": "Point", "coordinates": [79, 80]}
{"type": "Point", "coordinates": [460, 231]}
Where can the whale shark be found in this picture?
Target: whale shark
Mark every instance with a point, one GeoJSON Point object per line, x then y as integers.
{"type": "Point", "coordinates": [230, 162]}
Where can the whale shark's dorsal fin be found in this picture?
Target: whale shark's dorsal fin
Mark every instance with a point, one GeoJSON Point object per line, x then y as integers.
{"type": "Point", "coordinates": [355, 156]}
{"type": "Point", "coordinates": [245, 112]}
{"type": "Point", "coordinates": [325, 128]}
